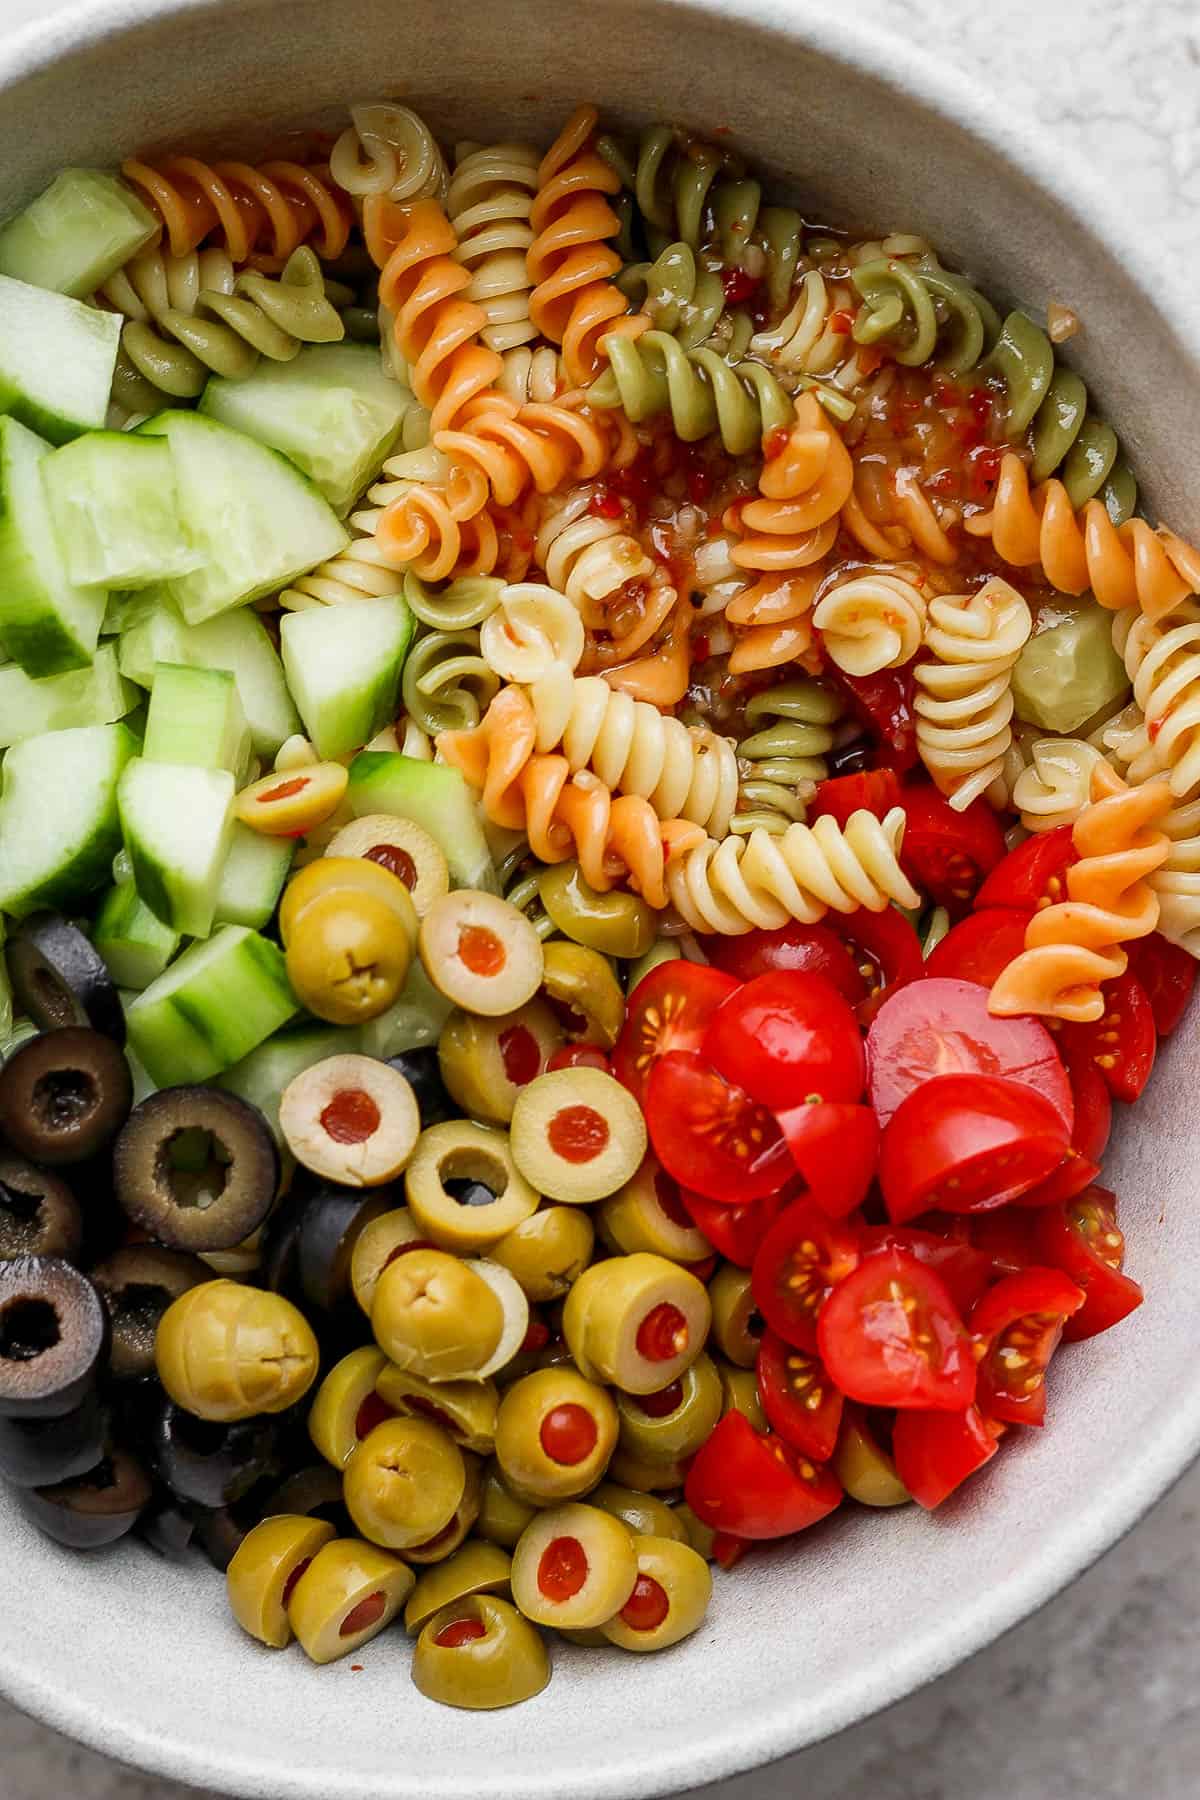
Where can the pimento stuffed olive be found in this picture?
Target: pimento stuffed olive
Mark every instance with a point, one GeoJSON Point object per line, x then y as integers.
{"type": "Point", "coordinates": [481, 952]}
{"type": "Point", "coordinates": [446, 1319]}
{"type": "Point", "coordinates": [548, 1251]}
{"type": "Point", "coordinates": [264, 1570]}
{"type": "Point", "coordinates": [473, 1569]}
{"type": "Point", "coordinates": [350, 1119]}
{"type": "Point", "coordinates": [401, 847]}
{"type": "Point", "coordinates": [637, 1321]}
{"type": "Point", "coordinates": [555, 1434]}
{"type": "Point", "coordinates": [404, 1482]}
{"type": "Point", "coordinates": [348, 1594]}
{"type": "Point", "coordinates": [574, 1566]}
{"type": "Point", "coordinates": [669, 1600]}
{"type": "Point", "coordinates": [346, 1407]}
{"type": "Point", "coordinates": [466, 1409]}
{"type": "Point", "coordinates": [647, 1214]}
{"type": "Point", "coordinates": [485, 1062]}
{"type": "Point", "coordinates": [737, 1324]}
{"type": "Point", "coordinates": [577, 1135]}
{"type": "Point", "coordinates": [480, 1654]}
{"type": "Point", "coordinates": [381, 1240]}
{"type": "Point", "coordinates": [349, 942]}
{"type": "Point", "coordinates": [672, 1423]}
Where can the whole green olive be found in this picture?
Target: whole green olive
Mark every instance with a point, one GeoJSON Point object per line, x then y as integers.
{"type": "Point", "coordinates": [434, 1315]}
{"type": "Point", "coordinates": [548, 1251]}
{"type": "Point", "coordinates": [617, 924]}
{"type": "Point", "coordinates": [225, 1351]}
{"type": "Point", "coordinates": [404, 1483]}
{"type": "Point", "coordinates": [348, 955]}
{"type": "Point", "coordinates": [555, 1433]}
{"type": "Point", "coordinates": [355, 874]}
{"type": "Point", "coordinates": [479, 1653]}
{"type": "Point", "coordinates": [454, 1534]}
{"type": "Point", "coordinates": [671, 1424]}
{"type": "Point", "coordinates": [581, 979]}
{"type": "Point", "coordinates": [636, 1321]}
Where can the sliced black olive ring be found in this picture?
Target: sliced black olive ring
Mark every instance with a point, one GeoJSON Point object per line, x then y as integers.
{"type": "Point", "coordinates": [264, 1571]}
{"type": "Point", "coordinates": [39, 1215]}
{"type": "Point", "coordinates": [91, 1510]}
{"type": "Point", "coordinates": [577, 1134]}
{"type": "Point", "coordinates": [61, 979]}
{"type": "Point", "coordinates": [575, 1566]}
{"type": "Point", "coordinates": [420, 1069]}
{"type": "Point", "coordinates": [53, 1337]}
{"type": "Point", "coordinates": [137, 1284]}
{"type": "Point", "coordinates": [486, 1062]}
{"type": "Point", "coordinates": [212, 1463]}
{"type": "Point", "coordinates": [196, 1168]}
{"type": "Point", "coordinates": [332, 1221]}
{"type": "Point", "coordinates": [348, 1594]}
{"type": "Point", "coordinates": [64, 1095]}
{"type": "Point", "coordinates": [38, 1452]}
{"type": "Point", "coordinates": [350, 1119]}
{"type": "Point", "coordinates": [463, 1188]}
{"type": "Point", "coordinates": [481, 952]}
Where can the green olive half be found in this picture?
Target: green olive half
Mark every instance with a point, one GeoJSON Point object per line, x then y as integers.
{"type": "Point", "coordinates": [636, 1321]}
{"type": "Point", "coordinates": [863, 1466]}
{"type": "Point", "coordinates": [479, 1653]}
{"type": "Point", "coordinates": [475, 1569]}
{"type": "Point", "coordinates": [581, 982]}
{"type": "Point", "coordinates": [617, 924]}
{"type": "Point", "coordinates": [463, 1188]}
{"type": "Point", "coordinates": [669, 1600]}
{"type": "Point", "coordinates": [485, 1063]}
{"type": "Point", "coordinates": [503, 1515]}
{"type": "Point", "coordinates": [737, 1325]}
{"type": "Point", "coordinates": [647, 1214]}
{"type": "Point", "coordinates": [348, 1594]}
{"type": "Point", "coordinates": [672, 1423]}
{"type": "Point", "coordinates": [548, 1251]}
{"type": "Point", "coordinates": [346, 1407]}
{"type": "Point", "coordinates": [265, 1568]}
{"type": "Point", "coordinates": [455, 1532]}
{"type": "Point", "coordinates": [739, 1390]}
{"type": "Point", "coordinates": [466, 1409]}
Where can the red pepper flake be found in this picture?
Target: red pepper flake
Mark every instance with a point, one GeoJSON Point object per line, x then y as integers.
{"type": "Point", "coordinates": [606, 505]}
{"type": "Point", "coordinates": [356, 1668]}
{"type": "Point", "coordinates": [739, 286]}
{"type": "Point", "coordinates": [774, 444]}
{"type": "Point", "coordinates": [841, 322]}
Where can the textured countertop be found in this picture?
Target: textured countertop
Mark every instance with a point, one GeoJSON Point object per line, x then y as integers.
{"type": "Point", "coordinates": [1096, 1697]}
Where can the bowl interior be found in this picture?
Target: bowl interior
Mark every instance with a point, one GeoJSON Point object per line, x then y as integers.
{"type": "Point", "coordinates": [142, 1660]}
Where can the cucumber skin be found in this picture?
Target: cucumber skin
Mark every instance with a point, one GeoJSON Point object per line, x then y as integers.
{"type": "Point", "coordinates": [34, 631]}
{"type": "Point", "coordinates": [432, 795]}
{"type": "Point", "coordinates": [91, 865]}
{"type": "Point", "coordinates": [340, 722]}
{"type": "Point", "coordinates": [95, 696]}
{"type": "Point", "coordinates": [160, 635]}
{"type": "Point", "coordinates": [195, 719]}
{"type": "Point", "coordinates": [197, 1029]}
{"type": "Point", "coordinates": [134, 942]}
{"type": "Point", "coordinates": [168, 889]}
{"type": "Point", "coordinates": [256, 868]}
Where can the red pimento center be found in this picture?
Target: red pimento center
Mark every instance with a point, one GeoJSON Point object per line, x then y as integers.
{"type": "Point", "coordinates": [662, 1334]}
{"type": "Point", "coordinates": [351, 1117]}
{"type": "Point", "coordinates": [562, 1569]}
{"type": "Point", "coordinates": [520, 1054]}
{"type": "Point", "coordinates": [568, 1434]}
{"type": "Point", "coordinates": [397, 862]}
{"type": "Point", "coordinates": [459, 1632]}
{"type": "Point", "coordinates": [289, 1586]}
{"type": "Point", "coordinates": [373, 1411]}
{"type": "Point", "coordinates": [480, 950]}
{"type": "Point", "coordinates": [647, 1606]}
{"type": "Point", "coordinates": [286, 790]}
{"type": "Point", "coordinates": [658, 1405]}
{"type": "Point", "coordinates": [368, 1612]}
{"type": "Point", "coordinates": [666, 1192]}
{"type": "Point", "coordinates": [578, 1133]}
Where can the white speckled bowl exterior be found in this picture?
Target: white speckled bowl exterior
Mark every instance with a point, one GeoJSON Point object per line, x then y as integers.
{"type": "Point", "coordinates": [141, 1660]}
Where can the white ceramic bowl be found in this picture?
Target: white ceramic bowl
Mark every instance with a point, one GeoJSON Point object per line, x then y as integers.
{"type": "Point", "coordinates": [143, 1661]}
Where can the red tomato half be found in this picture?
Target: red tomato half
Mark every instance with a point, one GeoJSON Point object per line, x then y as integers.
{"type": "Point", "coordinates": [1073, 1174]}
{"type": "Point", "coordinates": [981, 946]}
{"type": "Point", "coordinates": [1122, 1044]}
{"type": "Point", "coordinates": [712, 1137]}
{"type": "Point", "coordinates": [943, 1027]}
{"type": "Point", "coordinates": [787, 1037]}
{"type": "Point", "coordinates": [884, 704]}
{"type": "Point", "coordinates": [836, 1149]}
{"type": "Point", "coordinates": [934, 1452]}
{"type": "Point", "coordinates": [669, 1009]}
{"type": "Point", "coordinates": [963, 1143]}
{"type": "Point", "coordinates": [1016, 1328]}
{"type": "Point", "coordinates": [798, 1397]}
{"type": "Point", "coordinates": [734, 1231]}
{"type": "Point", "coordinates": [874, 791]}
{"type": "Point", "coordinates": [1006, 1238]}
{"type": "Point", "coordinates": [802, 1256]}
{"type": "Point", "coordinates": [1031, 876]}
{"type": "Point", "coordinates": [814, 948]}
{"type": "Point", "coordinates": [945, 853]}
{"type": "Point", "coordinates": [1084, 1240]}
{"type": "Point", "coordinates": [1093, 1104]}
{"type": "Point", "coordinates": [964, 1269]}
{"type": "Point", "coordinates": [1168, 975]}
{"type": "Point", "coordinates": [757, 1487]}
{"type": "Point", "coordinates": [889, 1335]}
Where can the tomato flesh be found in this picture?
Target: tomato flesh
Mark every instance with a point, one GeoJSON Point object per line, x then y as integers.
{"type": "Point", "coordinates": [963, 1268]}
{"type": "Point", "coordinates": [1122, 1044]}
{"type": "Point", "coordinates": [934, 1452]}
{"type": "Point", "coordinates": [981, 946]}
{"type": "Point", "coordinates": [735, 1232]}
{"type": "Point", "coordinates": [1093, 1104]}
{"type": "Point", "coordinates": [1016, 1328]}
{"type": "Point", "coordinates": [890, 1335]}
{"type": "Point", "coordinates": [884, 704]}
{"type": "Point", "coordinates": [963, 1143]}
{"type": "Point", "coordinates": [1168, 975]}
{"type": "Point", "coordinates": [568, 1434]}
{"type": "Point", "coordinates": [814, 949]}
{"type": "Point", "coordinates": [787, 1037]}
{"type": "Point", "coordinates": [711, 1136]}
{"type": "Point", "coordinates": [836, 1149]}
{"type": "Point", "coordinates": [668, 1010]}
{"type": "Point", "coordinates": [1033, 876]}
{"type": "Point", "coordinates": [804, 1254]}
{"type": "Point", "coordinates": [874, 791]}
{"type": "Point", "coordinates": [757, 1487]}
{"type": "Point", "coordinates": [1084, 1240]}
{"type": "Point", "coordinates": [888, 951]}
{"type": "Point", "coordinates": [798, 1397]}
{"type": "Point", "coordinates": [948, 854]}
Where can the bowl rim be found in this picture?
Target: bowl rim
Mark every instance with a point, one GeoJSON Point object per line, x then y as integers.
{"type": "Point", "coordinates": [1025, 149]}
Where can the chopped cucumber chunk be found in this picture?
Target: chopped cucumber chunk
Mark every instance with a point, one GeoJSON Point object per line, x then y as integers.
{"type": "Point", "coordinates": [262, 1076]}
{"type": "Point", "coordinates": [177, 823]}
{"type": "Point", "coordinates": [56, 360]}
{"type": "Point", "coordinates": [238, 641]}
{"type": "Point", "coordinates": [432, 795]}
{"type": "Point", "coordinates": [133, 941]}
{"type": "Point", "coordinates": [343, 666]}
{"type": "Point", "coordinates": [257, 521]}
{"type": "Point", "coordinates": [1068, 670]}
{"type": "Point", "coordinates": [96, 696]}
{"type": "Point", "coordinates": [83, 228]}
{"type": "Point", "coordinates": [256, 868]}
{"type": "Point", "coordinates": [48, 623]}
{"type": "Point", "coordinates": [414, 1019]}
{"type": "Point", "coordinates": [196, 717]}
{"type": "Point", "coordinates": [332, 410]}
{"type": "Point", "coordinates": [59, 826]}
{"type": "Point", "coordinates": [6, 993]}
{"type": "Point", "coordinates": [115, 510]}
{"type": "Point", "coordinates": [213, 1006]}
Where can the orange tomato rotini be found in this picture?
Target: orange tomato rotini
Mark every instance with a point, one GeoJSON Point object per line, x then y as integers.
{"type": "Point", "coordinates": [273, 207]}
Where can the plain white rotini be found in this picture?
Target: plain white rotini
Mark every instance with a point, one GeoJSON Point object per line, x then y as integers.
{"type": "Point", "coordinates": [1056, 785]}
{"type": "Point", "coordinates": [488, 203]}
{"type": "Point", "coordinates": [1177, 882]}
{"type": "Point", "coordinates": [388, 149]}
{"type": "Point", "coordinates": [359, 573]}
{"type": "Point", "coordinates": [804, 341]}
{"type": "Point", "coordinates": [1162, 658]}
{"type": "Point", "coordinates": [586, 557]}
{"type": "Point", "coordinates": [535, 374]}
{"type": "Point", "coordinates": [533, 631]}
{"type": "Point", "coordinates": [871, 622]}
{"type": "Point", "coordinates": [964, 701]}
{"type": "Point", "coordinates": [761, 881]}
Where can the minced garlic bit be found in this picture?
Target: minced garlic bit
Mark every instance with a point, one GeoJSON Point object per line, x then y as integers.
{"type": "Point", "coordinates": [1062, 322]}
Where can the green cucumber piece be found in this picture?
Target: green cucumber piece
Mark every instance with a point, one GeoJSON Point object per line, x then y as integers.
{"type": "Point", "coordinates": [212, 1007]}
{"type": "Point", "coordinates": [83, 228]}
{"type": "Point", "coordinates": [195, 717]}
{"type": "Point", "coordinates": [432, 795]}
{"type": "Point", "coordinates": [48, 623]}
{"type": "Point", "coordinates": [238, 641]}
{"type": "Point", "coordinates": [6, 993]}
{"type": "Point", "coordinates": [332, 410]}
{"type": "Point", "coordinates": [115, 511]}
{"type": "Point", "coordinates": [256, 520]}
{"type": "Point", "coordinates": [343, 667]}
{"type": "Point", "coordinates": [256, 867]}
{"type": "Point", "coordinates": [177, 823]}
{"type": "Point", "coordinates": [95, 696]}
{"type": "Point", "coordinates": [56, 360]}
{"type": "Point", "coordinates": [125, 610]}
{"type": "Point", "coordinates": [262, 1076]}
{"type": "Point", "coordinates": [414, 1019]}
{"type": "Point", "coordinates": [134, 942]}
{"type": "Point", "coordinates": [59, 825]}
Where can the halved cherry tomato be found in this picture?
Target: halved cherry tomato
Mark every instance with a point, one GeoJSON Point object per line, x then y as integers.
{"type": "Point", "coordinates": [887, 952]}
{"type": "Point", "coordinates": [1084, 1240]}
{"type": "Point", "coordinates": [1072, 1175]}
{"type": "Point", "coordinates": [728, 1550]}
{"type": "Point", "coordinates": [798, 1397]}
{"type": "Point", "coordinates": [786, 1037]}
{"type": "Point", "coordinates": [1093, 1104]}
{"type": "Point", "coordinates": [874, 791]}
{"type": "Point", "coordinates": [813, 948]}
{"type": "Point", "coordinates": [965, 1270]}
{"type": "Point", "coordinates": [934, 1452]}
{"type": "Point", "coordinates": [1031, 876]}
{"type": "Point", "coordinates": [890, 1335]}
{"type": "Point", "coordinates": [884, 704]}
{"type": "Point", "coordinates": [734, 1231]}
{"type": "Point", "coordinates": [1168, 975]}
{"type": "Point", "coordinates": [981, 946]}
{"type": "Point", "coordinates": [836, 1149]}
{"type": "Point", "coordinates": [802, 1256]}
{"type": "Point", "coordinates": [757, 1487]}
{"type": "Point", "coordinates": [1016, 1328]}
{"type": "Point", "coordinates": [668, 1010]}
{"type": "Point", "coordinates": [1122, 1044]}
{"type": "Point", "coordinates": [1005, 1237]}
{"type": "Point", "coordinates": [964, 1143]}
{"type": "Point", "coordinates": [712, 1137]}
{"type": "Point", "coordinates": [945, 853]}
{"type": "Point", "coordinates": [943, 1027]}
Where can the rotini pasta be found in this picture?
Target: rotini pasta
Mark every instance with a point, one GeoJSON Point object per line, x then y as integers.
{"type": "Point", "coordinates": [489, 202]}
{"type": "Point", "coordinates": [790, 730]}
{"type": "Point", "coordinates": [1162, 657]}
{"type": "Point", "coordinates": [871, 622]}
{"type": "Point", "coordinates": [1177, 882]}
{"type": "Point", "coordinates": [964, 701]}
{"type": "Point", "coordinates": [587, 557]}
{"type": "Point", "coordinates": [447, 684]}
{"type": "Point", "coordinates": [1072, 947]}
{"type": "Point", "coordinates": [701, 389]}
{"type": "Point", "coordinates": [361, 572]}
{"type": "Point", "coordinates": [676, 294]}
{"type": "Point", "coordinates": [532, 633]}
{"type": "Point", "coordinates": [670, 179]}
{"type": "Point", "coordinates": [274, 207]}
{"type": "Point", "coordinates": [536, 374]}
{"type": "Point", "coordinates": [805, 481]}
{"type": "Point", "coordinates": [1056, 785]}
{"type": "Point", "coordinates": [388, 149]}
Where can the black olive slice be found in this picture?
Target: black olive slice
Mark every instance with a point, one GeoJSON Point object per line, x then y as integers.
{"type": "Point", "coordinates": [35, 1452]}
{"type": "Point", "coordinates": [196, 1168]}
{"type": "Point", "coordinates": [53, 1334]}
{"type": "Point", "coordinates": [422, 1071]}
{"type": "Point", "coordinates": [137, 1284]}
{"type": "Point", "coordinates": [213, 1464]}
{"type": "Point", "coordinates": [221, 1531]}
{"type": "Point", "coordinates": [332, 1220]}
{"type": "Point", "coordinates": [39, 1215]}
{"type": "Point", "coordinates": [64, 1094]}
{"type": "Point", "coordinates": [61, 979]}
{"type": "Point", "coordinates": [93, 1509]}
{"type": "Point", "coordinates": [317, 1493]}
{"type": "Point", "coordinates": [167, 1528]}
